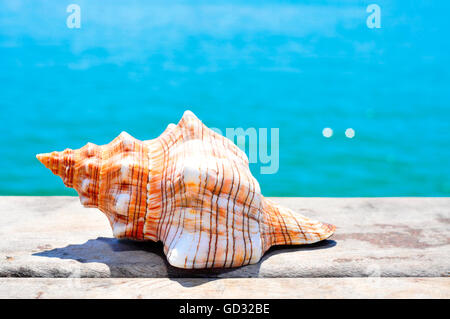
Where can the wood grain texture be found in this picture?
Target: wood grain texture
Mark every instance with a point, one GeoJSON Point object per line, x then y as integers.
{"type": "Point", "coordinates": [387, 237]}
{"type": "Point", "coordinates": [192, 288]}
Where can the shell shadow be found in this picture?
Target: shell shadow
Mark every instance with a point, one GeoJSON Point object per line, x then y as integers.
{"type": "Point", "coordinates": [127, 258]}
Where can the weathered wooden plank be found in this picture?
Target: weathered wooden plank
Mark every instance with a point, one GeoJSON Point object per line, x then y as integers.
{"type": "Point", "coordinates": [388, 237]}
{"type": "Point", "coordinates": [187, 288]}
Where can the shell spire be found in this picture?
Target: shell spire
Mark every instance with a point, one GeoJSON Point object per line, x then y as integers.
{"type": "Point", "coordinates": [190, 188]}
{"type": "Point", "coordinates": [60, 163]}
{"type": "Point", "coordinates": [79, 169]}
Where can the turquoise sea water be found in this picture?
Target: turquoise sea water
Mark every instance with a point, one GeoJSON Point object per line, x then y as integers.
{"type": "Point", "coordinates": [135, 66]}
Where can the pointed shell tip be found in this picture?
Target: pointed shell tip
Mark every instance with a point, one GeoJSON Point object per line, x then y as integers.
{"type": "Point", "coordinates": [41, 157]}
{"type": "Point", "coordinates": [189, 113]}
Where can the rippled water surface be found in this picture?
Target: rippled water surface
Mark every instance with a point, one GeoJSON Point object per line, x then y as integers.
{"type": "Point", "coordinates": [135, 66]}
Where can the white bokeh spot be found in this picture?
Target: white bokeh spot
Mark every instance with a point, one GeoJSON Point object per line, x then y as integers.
{"type": "Point", "coordinates": [350, 133]}
{"type": "Point", "coordinates": [327, 132]}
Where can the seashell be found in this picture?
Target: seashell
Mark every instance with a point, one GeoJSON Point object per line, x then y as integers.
{"type": "Point", "coordinates": [190, 188]}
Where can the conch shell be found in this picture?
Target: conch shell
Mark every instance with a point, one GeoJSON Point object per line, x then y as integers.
{"type": "Point", "coordinates": [190, 188]}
